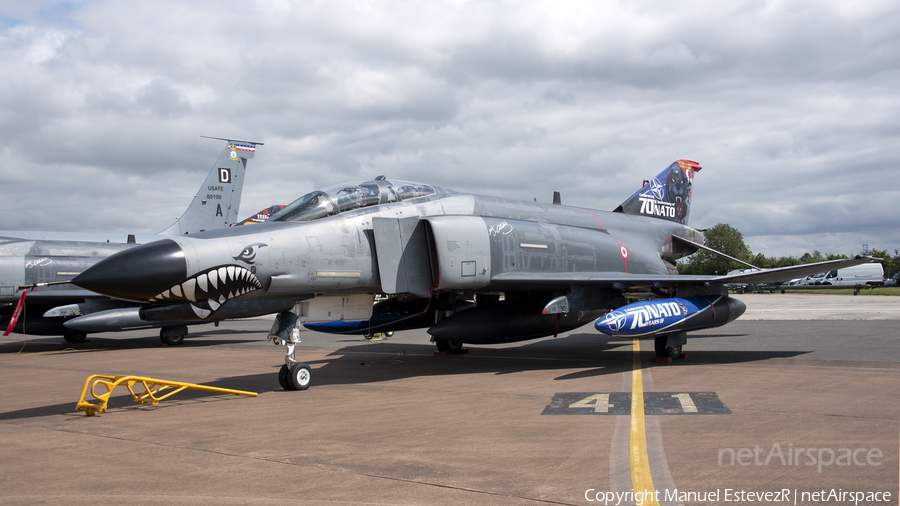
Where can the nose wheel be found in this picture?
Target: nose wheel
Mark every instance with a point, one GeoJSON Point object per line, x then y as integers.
{"type": "Point", "coordinates": [296, 377]}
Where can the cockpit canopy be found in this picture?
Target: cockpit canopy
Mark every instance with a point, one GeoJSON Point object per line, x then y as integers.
{"type": "Point", "coordinates": [349, 196]}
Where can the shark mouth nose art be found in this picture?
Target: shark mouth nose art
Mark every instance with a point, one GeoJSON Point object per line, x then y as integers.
{"type": "Point", "coordinates": [214, 286]}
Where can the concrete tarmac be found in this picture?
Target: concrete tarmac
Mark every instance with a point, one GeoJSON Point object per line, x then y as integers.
{"type": "Point", "coordinates": [386, 422]}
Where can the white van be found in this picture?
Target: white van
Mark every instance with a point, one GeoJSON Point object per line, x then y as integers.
{"type": "Point", "coordinates": [858, 275]}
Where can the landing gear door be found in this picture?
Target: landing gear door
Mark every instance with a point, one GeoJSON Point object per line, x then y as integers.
{"type": "Point", "coordinates": [463, 251]}
{"type": "Point", "coordinates": [404, 262]}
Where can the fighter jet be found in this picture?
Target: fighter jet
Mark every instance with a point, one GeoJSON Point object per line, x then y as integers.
{"type": "Point", "coordinates": [469, 268]}
{"type": "Point", "coordinates": [52, 258]}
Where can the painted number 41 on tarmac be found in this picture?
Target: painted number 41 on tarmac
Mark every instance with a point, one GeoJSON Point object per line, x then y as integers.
{"type": "Point", "coordinates": [619, 403]}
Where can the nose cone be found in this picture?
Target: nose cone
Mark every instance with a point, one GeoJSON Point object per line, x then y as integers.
{"type": "Point", "coordinates": [137, 274]}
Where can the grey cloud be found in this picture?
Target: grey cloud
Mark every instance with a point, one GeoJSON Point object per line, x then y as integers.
{"type": "Point", "coordinates": [790, 108]}
{"type": "Point", "coordinates": [162, 100]}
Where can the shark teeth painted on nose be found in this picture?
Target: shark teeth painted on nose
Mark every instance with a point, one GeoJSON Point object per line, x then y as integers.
{"type": "Point", "coordinates": [216, 285]}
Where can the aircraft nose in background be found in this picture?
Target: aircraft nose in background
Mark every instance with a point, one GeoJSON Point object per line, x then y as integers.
{"type": "Point", "coordinates": [136, 274]}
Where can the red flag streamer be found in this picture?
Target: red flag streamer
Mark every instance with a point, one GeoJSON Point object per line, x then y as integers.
{"type": "Point", "coordinates": [16, 313]}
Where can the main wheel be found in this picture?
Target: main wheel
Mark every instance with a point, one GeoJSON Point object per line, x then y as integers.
{"type": "Point", "coordinates": [445, 345]}
{"type": "Point", "coordinates": [664, 351]}
{"type": "Point", "coordinates": [75, 337]}
{"type": "Point", "coordinates": [171, 340]}
{"type": "Point", "coordinates": [283, 378]}
{"type": "Point", "coordinates": [300, 376]}
{"type": "Point", "coordinates": [173, 335]}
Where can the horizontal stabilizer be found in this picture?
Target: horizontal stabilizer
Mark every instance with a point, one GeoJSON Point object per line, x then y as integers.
{"type": "Point", "coordinates": [244, 149]}
{"type": "Point", "coordinates": [714, 252]}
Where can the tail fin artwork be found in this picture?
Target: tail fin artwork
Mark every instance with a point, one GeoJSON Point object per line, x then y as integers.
{"type": "Point", "coordinates": [216, 204]}
{"type": "Point", "coordinates": [667, 196]}
{"type": "Point", "coordinates": [261, 216]}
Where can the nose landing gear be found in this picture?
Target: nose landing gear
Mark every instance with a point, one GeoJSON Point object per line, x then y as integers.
{"type": "Point", "coordinates": [293, 375]}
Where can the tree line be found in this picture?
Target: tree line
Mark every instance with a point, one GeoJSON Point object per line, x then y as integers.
{"type": "Point", "coordinates": [729, 240]}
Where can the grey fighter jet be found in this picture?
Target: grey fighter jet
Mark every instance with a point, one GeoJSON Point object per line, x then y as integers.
{"type": "Point", "coordinates": [469, 268]}
{"type": "Point", "coordinates": [53, 258]}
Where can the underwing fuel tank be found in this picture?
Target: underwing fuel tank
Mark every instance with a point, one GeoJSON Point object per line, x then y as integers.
{"type": "Point", "coordinates": [493, 324]}
{"type": "Point", "coordinates": [174, 314]}
{"type": "Point", "coordinates": [109, 320]}
{"type": "Point", "coordinates": [389, 315]}
{"type": "Point", "coordinates": [666, 316]}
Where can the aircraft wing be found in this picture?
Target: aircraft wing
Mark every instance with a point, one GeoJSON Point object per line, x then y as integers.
{"type": "Point", "coordinates": [795, 271]}
{"type": "Point", "coordinates": [621, 280]}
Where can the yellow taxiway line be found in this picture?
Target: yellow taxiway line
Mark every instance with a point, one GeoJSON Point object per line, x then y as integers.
{"type": "Point", "coordinates": [641, 481]}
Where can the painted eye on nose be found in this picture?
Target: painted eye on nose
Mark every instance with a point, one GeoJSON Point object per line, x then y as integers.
{"type": "Point", "coordinates": [248, 254]}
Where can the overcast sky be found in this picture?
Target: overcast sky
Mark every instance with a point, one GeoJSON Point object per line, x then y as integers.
{"type": "Point", "coordinates": [792, 108]}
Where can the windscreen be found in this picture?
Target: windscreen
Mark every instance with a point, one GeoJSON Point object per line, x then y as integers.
{"type": "Point", "coordinates": [311, 206]}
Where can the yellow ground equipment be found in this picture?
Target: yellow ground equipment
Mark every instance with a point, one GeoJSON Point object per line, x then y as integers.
{"type": "Point", "coordinates": [150, 395]}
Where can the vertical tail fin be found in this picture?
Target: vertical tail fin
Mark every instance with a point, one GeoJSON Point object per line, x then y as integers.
{"type": "Point", "coordinates": [216, 204]}
{"type": "Point", "coordinates": [667, 196]}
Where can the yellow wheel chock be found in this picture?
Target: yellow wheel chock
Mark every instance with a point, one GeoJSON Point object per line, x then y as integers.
{"type": "Point", "coordinates": [150, 395]}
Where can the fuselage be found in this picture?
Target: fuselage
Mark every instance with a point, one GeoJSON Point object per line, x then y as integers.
{"type": "Point", "coordinates": [466, 241]}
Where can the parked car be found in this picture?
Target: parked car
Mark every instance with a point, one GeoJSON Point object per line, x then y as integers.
{"type": "Point", "coordinates": [815, 280]}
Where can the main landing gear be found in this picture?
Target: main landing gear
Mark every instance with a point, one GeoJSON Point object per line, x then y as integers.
{"type": "Point", "coordinates": [75, 337]}
{"type": "Point", "coordinates": [293, 375]}
{"type": "Point", "coordinates": [448, 346]}
{"type": "Point", "coordinates": [173, 336]}
{"type": "Point", "coordinates": [669, 346]}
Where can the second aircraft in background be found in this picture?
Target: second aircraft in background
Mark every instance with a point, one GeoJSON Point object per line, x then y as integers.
{"type": "Point", "coordinates": [31, 258]}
